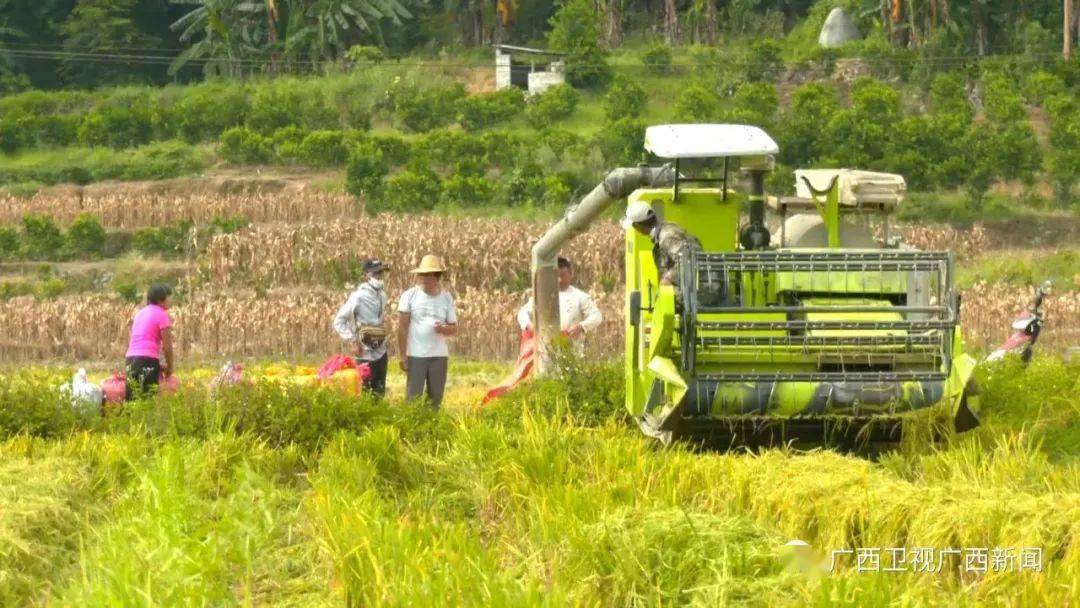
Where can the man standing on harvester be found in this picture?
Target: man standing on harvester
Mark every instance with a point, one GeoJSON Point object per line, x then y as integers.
{"type": "Point", "coordinates": [670, 242]}
{"type": "Point", "coordinates": [362, 319]}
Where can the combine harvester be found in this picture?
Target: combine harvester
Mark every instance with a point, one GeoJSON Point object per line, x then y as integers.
{"type": "Point", "coordinates": [815, 331]}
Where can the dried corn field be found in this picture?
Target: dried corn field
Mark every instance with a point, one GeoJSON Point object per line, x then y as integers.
{"type": "Point", "coordinates": [280, 325]}
{"type": "Point", "coordinates": [297, 324]}
{"type": "Point", "coordinates": [126, 210]}
{"type": "Point", "coordinates": [481, 253]}
{"type": "Point", "coordinates": [270, 290]}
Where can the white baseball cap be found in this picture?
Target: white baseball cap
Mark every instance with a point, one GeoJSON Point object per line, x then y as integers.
{"type": "Point", "coordinates": [637, 212]}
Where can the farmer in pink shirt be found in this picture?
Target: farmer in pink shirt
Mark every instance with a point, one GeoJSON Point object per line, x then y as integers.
{"type": "Point", "coordinates": [151, 337]}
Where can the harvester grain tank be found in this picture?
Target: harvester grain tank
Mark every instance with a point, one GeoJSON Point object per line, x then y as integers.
{"type": "Point", "coordinates": [816, 329]}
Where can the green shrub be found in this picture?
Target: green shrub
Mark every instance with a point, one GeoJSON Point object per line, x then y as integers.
{"type": "Point", "coordinates": [554, 104]}
{"type": "Point", "coordinates": [204, 112]}
{"type": "Point", "coordinates": [503, 149]}
{"type": "Point", "coordinates": [86, 235]}
{"type": "Point", "coordinates": [697, 103]}
{"type": "Point", "coordinates": [365, 170]}
{"type": "Point", "coordinates": [530, 185]}
{"type": "Point", "coordinates": [128, 290]}
{"type": "Point", "coordinates": [622, 142]}
{"type": "Point", "coordinates": [157, 160]}
{"type": "Point", "coordinates": [445, 147]}
{"type": "Point", "coordinates": [168, 241]}
{"type": "Point", "coordinates": [657, 58]}
{"type": "Point", "coordinates": [625, 99]}
{"type": "Point", "coordinates": [324, 149]}
{"type": "Point", "coordinates": [117, 126]}
{"type": "Point", "coordinates": [285, 143]}
{"type": "Point", "coordinates": [948, 96]}
{"type": "Point", "coordinates": [395, 150]}
{"type": "Point", "coordinates": [13, 131]}
{"type": "Point", "coordinates": [801, 138]}
{"type": "Point", "coordinates": [420, 109]}
{"type": "Point", "coordinates": [563, 143]}
{"type": "Point", "coordinates": [33, 406]}
{"type": "Point", "coordinates": [467, 190]}
{"type": "Point", "coordinates": [227, 224]}
{"type": "Point", "coordinates": [41, 237]}
{"type": "Point", "coordinates": [1001, 100]}
{"type": "Point", "coordinates": [1041, 85]}
{"type": "Point", "coordinates": [241, 145]}
{"type": "Point", "coordinates": [9, 243]}
{"type": "Point", "coordinates": [290, 102]}
{"type": "Point", "coordinates": [56, 129]}
{"type": "Point", "coordinates": [364, 55]}
{"type": "Point", "coordinates": [756, 103]}
{"type": "Point", "coordinates": [487, 109]}
{"type": "Point", "coordinates": [415, 189]}
{"type": "Point", "coordinates": [763, 63]}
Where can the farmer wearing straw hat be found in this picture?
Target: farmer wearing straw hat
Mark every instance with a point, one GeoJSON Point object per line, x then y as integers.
{"type": "Point", "coordinates": [426, 318]}
{"type": "Point", "coordinates": [362, 320]}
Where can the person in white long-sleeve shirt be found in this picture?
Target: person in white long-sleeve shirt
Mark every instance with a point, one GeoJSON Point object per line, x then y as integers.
{"type": "Point", "coordinates": [359, 321]}
{"type": "Point", "coordinates": [578, 313]}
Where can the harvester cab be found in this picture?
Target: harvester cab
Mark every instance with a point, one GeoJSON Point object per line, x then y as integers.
{"type": "Point", "coordinates": [816, 330]}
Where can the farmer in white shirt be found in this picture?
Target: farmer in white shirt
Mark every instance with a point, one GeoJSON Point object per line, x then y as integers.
{"type": "Point", "coordinates": [362, 319]}
{"type": "Point", "coordinates": [577, 311]}
{"type": "Point", "coordinates": [426, 318]}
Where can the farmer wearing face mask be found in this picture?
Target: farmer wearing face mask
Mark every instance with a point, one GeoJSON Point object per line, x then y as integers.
{"type": "Point", "coordinates": [362, 319]}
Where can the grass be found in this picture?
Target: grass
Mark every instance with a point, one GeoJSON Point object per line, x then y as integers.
{"type": "Point", "coordinates": [24, 171]}
{"type": "Point", "coordinates": [546, 498]}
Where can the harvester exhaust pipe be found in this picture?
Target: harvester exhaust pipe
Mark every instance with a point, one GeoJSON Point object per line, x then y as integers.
{"type": "Point", "coordinates": [755, 235]}
{"type": "Point", "coordinates": [619, 183]}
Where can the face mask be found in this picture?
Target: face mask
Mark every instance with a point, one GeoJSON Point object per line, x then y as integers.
{"type": "Point", "coordinates": [376, 283]}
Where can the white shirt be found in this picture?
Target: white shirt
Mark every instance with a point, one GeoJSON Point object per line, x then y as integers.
{"type": "Point", "coordinates": [365, 306]}
{"type": "Point", "coordinates": [575, 308]}
{"type": "Point", "coordinates": [425, 311]}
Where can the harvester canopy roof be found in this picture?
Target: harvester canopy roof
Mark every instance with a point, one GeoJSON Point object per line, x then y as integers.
{"type": "Point", "coordinates": [708, 141]}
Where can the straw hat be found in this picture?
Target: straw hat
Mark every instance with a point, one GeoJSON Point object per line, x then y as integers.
{"type": "Point", "coordinates": [430, 263]}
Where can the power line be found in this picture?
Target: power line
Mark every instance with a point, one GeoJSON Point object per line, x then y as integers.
{"type": "Point", "coordinates": [739, 59]}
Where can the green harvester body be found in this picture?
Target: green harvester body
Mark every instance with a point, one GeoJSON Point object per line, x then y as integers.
{"type": "Point", "coordinates": [804, 341]}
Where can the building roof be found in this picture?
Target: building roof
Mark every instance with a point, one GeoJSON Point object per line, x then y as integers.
{"type": "Point", "coordinates": [525, 49]}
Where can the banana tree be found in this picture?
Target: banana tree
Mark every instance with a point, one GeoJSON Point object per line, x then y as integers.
{"type": "Point", "coordinates": [330, 27]}
{"type": "Point", "coordinates": [226, 36]}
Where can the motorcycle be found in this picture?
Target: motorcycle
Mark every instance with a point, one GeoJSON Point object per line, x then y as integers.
{"type": "Point", "coordinates": [1027, 324]}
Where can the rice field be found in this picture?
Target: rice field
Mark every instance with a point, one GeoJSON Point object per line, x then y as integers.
{"type": "Point", "coordinates": [257, 496]}
{"type": "Point", "coordinates": [547, 498]}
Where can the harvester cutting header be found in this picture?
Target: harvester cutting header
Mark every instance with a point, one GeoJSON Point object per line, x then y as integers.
{"type": "Point", "coordinates": [736, 331]}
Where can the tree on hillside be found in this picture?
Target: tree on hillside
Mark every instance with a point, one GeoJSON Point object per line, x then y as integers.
{"type": "Point", "coordinates": [671, 21]}
{"type": "Point", "coordinates": [10, 80]}
{"type": "Point", "coordinates": [227, 37]}
{"type": "Point", "coordinates": [336, 23]}
{"type": "Point", "coordinates": [108, 27]}
{"type": "Point", "coordinates": [613, 15]}
{"type": "Point", "coordinates": [575, 30]}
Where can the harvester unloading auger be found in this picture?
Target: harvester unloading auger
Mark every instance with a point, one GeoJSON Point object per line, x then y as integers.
{"type": "Point", "coordinates": [816, 332]}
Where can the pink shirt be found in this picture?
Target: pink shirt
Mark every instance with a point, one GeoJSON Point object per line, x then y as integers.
{"type": "Point", "coordinates": [146, 331]}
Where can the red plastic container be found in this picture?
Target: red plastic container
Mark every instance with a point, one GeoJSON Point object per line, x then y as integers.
{"type": "Point", "coordinates": [114, 388]}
